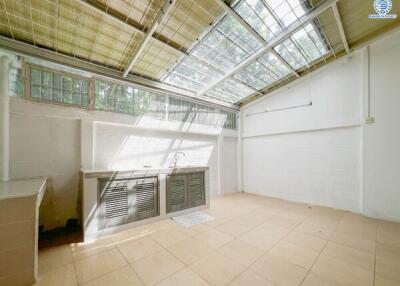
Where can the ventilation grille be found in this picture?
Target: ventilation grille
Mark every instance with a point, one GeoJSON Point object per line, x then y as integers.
{"type": "Point", "coordinates": [185, 191]}
{"type": "Point", "coordinates": [196, 190]}
{"type": "Point", "coordinates": [145, 196]}
{"type": "Point", "coordinates": [127, 200]}
{"type": "Point", "coordinates": [116, 201]}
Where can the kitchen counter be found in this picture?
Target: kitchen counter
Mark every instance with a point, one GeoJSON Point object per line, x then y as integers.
{"type": "Point", "coordinates": [22, 188]}
{"type": "Point", "coordinates": [19, 220]}
{"type": "Point", "coordinates": [99, 173]}
{"type": "Point", "coordinates": [93, 224]}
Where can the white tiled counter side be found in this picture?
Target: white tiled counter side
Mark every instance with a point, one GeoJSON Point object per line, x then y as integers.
{"type": "Point", "coordinates": [90, 207]}
{"type": "Point", "coordinates": [19, 215]}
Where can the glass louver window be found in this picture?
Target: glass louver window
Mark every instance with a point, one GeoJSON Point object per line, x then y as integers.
{"type": "Point", "coordinates": [51, 86]}
{"type": "Point", "coordinates": [110, 96]}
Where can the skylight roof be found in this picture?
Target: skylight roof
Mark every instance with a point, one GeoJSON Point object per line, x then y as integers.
{"type": "Point", "coordinates": [229, 43]}
{"type": "Point", "coordinates": [263, 72]}
{"type": "Point", "coordinates": [191, 74]}
{"type": "Point", "coordinates": [304, 47]}
{"type": "Point", "coordinates": [288, 11]}
{"type": "Point", "coordinates": [226, 45]}
{"type": "Point", "coordinates": [230, 90]}
{"type": "Point", "coordinates": [256, 14]}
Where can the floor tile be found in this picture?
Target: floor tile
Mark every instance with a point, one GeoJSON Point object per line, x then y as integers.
{"type": "Point", "coordinates": [84, 250]}
{"type": "Point", "coordinates": [296, 254]}
{"type": "Point", "coordinates": [241, 252]}
{"type": "Point", "coordinates": [156, 267]}
{"type": "Point", "coordinates": [329, 268]}
{"type": "Point", "coordinates": [169, 236]}
{"type": "Point", "coordinates": [139, 248]}
{"type": "Point", "coordinates": [279, 271]}
{"type": "Point", "coordinates": [388, 251]}
{"type": "Point", "coordinates": [213, 238]}
{"type": "Point", "coordinates": [313, 280]}
{"type": "Point", "coordinates": [264, 236]}
{"type": "Point", "coordinates": [99, 265]}
{"type": "Point", "coordinates": [189, 250]}
{"type": "Point", "coordinates": [383, 281]}
{"type": "Point", "coordinates": [354, 241]}
{"type": "Point", "coordinates": [249, 278]}
{"type": "Point", "coordinates": [194, 230]}
{"type": "Point", "coordinates": [323, 231]}
{"type": "Point", "coordinates": [54, 257]}
{"type": "Point", "coordinates": [389, 235]}
{"type": "Point", "coordinates": [216, 269]}
{"type": "Point", "coordinates": [305, 240]}
{"type": "Point", "coordinates": [284, 221]}
{"type": "Point", "coordinates": [233, 228]}
{"type": "Point", "coordinates": [184, 277]}
{"type": "Point", "coordinates": [388, 268]}
{"type": "Point", "coordinates": [62, 276]}
{"type": "Point", "coordinates": [350, 255]}
{"type": "Point", "coordinates": [122, 277]}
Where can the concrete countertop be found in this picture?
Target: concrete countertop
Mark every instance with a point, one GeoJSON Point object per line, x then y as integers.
{"type": "Point", "coordinates": [22, 188]}
{"type": "Point", "coordinates": [98, 173]}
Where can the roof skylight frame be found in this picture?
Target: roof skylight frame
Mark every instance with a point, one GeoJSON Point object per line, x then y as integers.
{"type": "Point", "coordinates": [238, 67]}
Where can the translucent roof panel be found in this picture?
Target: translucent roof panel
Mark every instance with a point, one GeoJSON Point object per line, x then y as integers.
{"type": "Point", "coordinates": [288, 11]}
{"type": "Point", "coordinates": [226, 45]}
{"type": "Point", "coordinates": [230, 90]}
{"type": "Point", "coordinates": [256, 14]}
{"type": "Point", "coordinates": [304, 47]}
{"type": "Point", "coordinates": [191, 74]}
{"type": "Point", "coordinates": [263, 72]}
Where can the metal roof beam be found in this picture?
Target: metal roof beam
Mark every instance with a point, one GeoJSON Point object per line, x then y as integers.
{"type": "Point", "coordinates": [340, 27]}
{"type": "Point", "coordinates": [159, 19]}
{"type": "Point", "coordinates": [139, 30]}
{"type": "Point", "coordinates": [322, 7]}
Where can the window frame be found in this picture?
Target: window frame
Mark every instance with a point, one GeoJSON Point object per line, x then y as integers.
{"type": "Point", "coordinates": [27, 74]}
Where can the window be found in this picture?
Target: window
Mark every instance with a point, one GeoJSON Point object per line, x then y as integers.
{"type": "Point", "coordinates": [121, 98]}
{"type": "Point", "coordinates": [303, 47]}
{"type": "Point", "coordinates": [57, 87]}
{"type": "Point", "coordinates": [16, 84]}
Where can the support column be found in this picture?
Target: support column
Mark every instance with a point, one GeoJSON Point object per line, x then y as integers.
{"type": "Point", "coordinates": [4, 119]}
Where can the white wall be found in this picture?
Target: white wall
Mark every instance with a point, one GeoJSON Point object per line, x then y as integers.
{"type": "Point", "coordinates": [48, 146]}
{"type": "Point", "coordinates": [325, 154]}
{"type": "Point", "coordinates": [56, 141]}
{"type": "Point", "coordinates": [125, 147]}
{"type": "Point", "coordinates": [309, 154]}
{"type": "Point", "coordinates": [229, 165]}
{"type": "Point", "coordinates": [382, 139]}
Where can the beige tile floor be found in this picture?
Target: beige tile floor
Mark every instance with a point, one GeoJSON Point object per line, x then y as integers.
{"type": "Point", "coordinates": [253, 241]}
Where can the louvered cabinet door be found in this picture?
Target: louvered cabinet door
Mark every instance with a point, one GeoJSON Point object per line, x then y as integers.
{"type": "Point", "coordinates": [195, 190]}
{"type": "Point", "coordinates": [145, 198]}
{"type": "Point", "coordinates": [176, 193]}
{"type": "Point", "coordinates": [114, 202]}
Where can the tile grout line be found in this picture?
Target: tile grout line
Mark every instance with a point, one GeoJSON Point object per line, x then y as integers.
{"type": "Point", "coordinates": [319, 255]}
